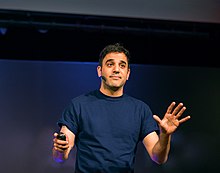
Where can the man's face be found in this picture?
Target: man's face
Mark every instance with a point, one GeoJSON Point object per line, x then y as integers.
{"type": "Point", "coordinates": [114, 70]}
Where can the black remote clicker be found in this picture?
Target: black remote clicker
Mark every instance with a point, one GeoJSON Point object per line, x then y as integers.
{"type": "Point", "coordinates": [61, 136]}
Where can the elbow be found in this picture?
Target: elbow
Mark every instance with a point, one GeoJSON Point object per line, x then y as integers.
{"type": "Point", "coordinates": [159, 161]}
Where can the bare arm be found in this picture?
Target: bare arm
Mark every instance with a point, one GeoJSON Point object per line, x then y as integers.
{"type": "Point", "coordinates": [158, 147]}
{"type": "Point", "coordinates": [61, 149]}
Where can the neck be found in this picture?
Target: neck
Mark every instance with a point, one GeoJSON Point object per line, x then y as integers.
{"type": "Point", "coordinates": [113, 92]}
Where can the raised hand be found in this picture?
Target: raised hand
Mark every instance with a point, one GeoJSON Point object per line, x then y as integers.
{"type": "Point", "coordinates": [171, 119]}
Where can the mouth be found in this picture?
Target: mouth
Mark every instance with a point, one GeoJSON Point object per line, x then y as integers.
{"type": "Point", "coordinates": [115, 77]}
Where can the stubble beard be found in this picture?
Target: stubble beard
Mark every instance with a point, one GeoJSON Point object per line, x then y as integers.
{"type": "Point", "coordinates": [113, 87]}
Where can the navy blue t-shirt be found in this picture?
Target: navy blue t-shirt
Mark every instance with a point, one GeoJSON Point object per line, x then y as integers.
{"type": "Point", "coordinates": [107, 131]}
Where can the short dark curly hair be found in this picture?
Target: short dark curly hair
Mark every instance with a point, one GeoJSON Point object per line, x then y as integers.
{"type": "Point", "coordinates": [117, 47]}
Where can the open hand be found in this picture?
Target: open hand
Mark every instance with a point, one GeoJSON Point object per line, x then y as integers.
{"type": "Point", "coordinates": [171, 119]}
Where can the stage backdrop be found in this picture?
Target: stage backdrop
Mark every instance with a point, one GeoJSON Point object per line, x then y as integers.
{"type": "Point", "coordinates": [34, 93]}
{"type": "Point", "coordinates": [180, 10]}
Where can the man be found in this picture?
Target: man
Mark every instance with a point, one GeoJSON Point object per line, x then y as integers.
{"type": "Point", "coordinates": [106, 124]}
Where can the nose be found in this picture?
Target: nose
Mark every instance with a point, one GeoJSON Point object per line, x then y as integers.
{"type": "Point", "coordinates": [116, 68]}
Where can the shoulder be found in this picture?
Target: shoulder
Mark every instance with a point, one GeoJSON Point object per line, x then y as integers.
{"type": "Point", "coordinates": [136, 101]}
{"type": "Point", "coordinates": [85, 97]}
{"type": "Point", "coordinates": [80, 101]}
{"type": "Point", "coordinates": [139, 105]}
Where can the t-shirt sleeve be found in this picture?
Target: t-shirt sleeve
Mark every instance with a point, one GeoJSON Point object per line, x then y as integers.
{"type": "Point", "coordinates": [69, 118]}
{"type": "Point", "coordinates": [148, 124]}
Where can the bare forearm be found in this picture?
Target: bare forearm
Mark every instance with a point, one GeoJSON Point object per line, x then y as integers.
{"type": "Point", "coordinates": [161, 149]}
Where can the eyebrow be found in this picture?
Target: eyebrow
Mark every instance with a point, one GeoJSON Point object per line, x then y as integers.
{"type": "Point", "coordinates": [121, 61]}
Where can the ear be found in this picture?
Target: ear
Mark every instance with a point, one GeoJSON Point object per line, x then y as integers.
{"type": "Point", "coordinates": [99, 71]}
{"type": "Point", "coordinates": [128, 73]}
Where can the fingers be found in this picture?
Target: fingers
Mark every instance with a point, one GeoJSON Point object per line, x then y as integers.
{"type": "Point", "coordinates": [170, 108]}
{"type": "Point", "coordinates": [184, 119]}
{"type": "Point", "coordinates": [178, 111]}
{"type": "Point", "coordinates": [55, 134]}
{"type": "Point", "coordinates": [59, 145]}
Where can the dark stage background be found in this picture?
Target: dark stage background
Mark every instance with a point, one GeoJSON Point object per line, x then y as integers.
{"type": "Point", "coordinates": [34, 93]}
{"type": "Point", "coordinates": [172, 32]}
{"type": "Point", "coordinates": [48, 55]}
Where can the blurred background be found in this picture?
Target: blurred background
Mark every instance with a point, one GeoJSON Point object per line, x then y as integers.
{"type": "Point", "coordinates": [48, 55]}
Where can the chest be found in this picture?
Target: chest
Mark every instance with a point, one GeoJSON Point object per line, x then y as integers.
{"type": "Point", "coordinates": [110, 120]}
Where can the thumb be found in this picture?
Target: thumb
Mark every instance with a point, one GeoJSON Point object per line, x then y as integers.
{"type": "Point", "coordinates": [157, 119]}
{"type": "Point", "coordinates": [55, 134]}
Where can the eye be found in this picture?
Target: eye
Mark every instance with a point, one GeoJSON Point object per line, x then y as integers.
{"type": "Point", "coordinates": [122, 65]}
{"type": "Point", "coordinates": [109, 64]}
